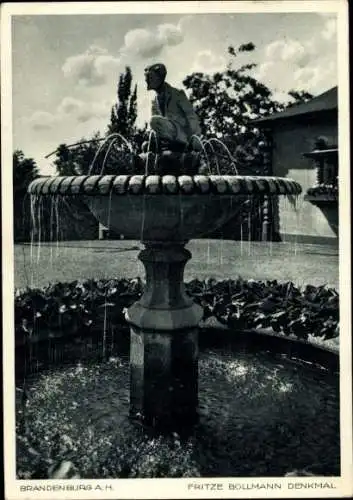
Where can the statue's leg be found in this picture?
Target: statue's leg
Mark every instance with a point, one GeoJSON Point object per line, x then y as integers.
{"type": "Point", "coordinates": [166, 129]}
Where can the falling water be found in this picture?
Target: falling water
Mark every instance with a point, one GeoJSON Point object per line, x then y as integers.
{"type": "Point", "coordinates": [151, 134]}
{"type": "Point", "coordinates": [25, 267]}
{"type": "Point", "coordinates": [33, 225]}
{"type": "Point", "coordinates": [208, 253]}
{"type": "Point", "coordinates": [260, 219]}
{"type": "Point", "coordinates": [295, 206]}
{"type": "Point", "coordinates": [221, 249]}
{"type": "Point", "coordinates": [272, 211]}
{"type": "Point", "coordinates": [39, 216]}
{"type": "Point", "coordinates": [127, 143]}
{"type": "Point", "coordinates": [285, 212]}
{"type": "Point", "coordinates": [98, 151]}
{"type": "Point", "coordinates": [298, 216]}
{"type": "Point", "coordinates": [113, 141]}
{"type": "Point", "coordinates": [105, 323]}
{"type": "Point", "coordinates": [249, 224]}
{"type": "Point", "coordinates": [232, 159]}
{"type": "Point", "coordinates": [208, 143]}
{"type": "Point", "coordinates": [106, 290]}
{"type": "Point", "coordinates": [51, 222]}
{"type": "Point", "coordinates": [203, 150]}
{"type": "Point", "coordinates": [57, 200]}
{"type": "Point", "coordinates": [114, 136]}
{"type": "Point", "coordinates": [241, 237]}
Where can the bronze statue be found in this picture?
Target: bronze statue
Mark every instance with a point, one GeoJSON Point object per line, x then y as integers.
{"type": "Point", "coordinates": [174, 122]}
{"type": "Point", "coordinates": [173, 117]}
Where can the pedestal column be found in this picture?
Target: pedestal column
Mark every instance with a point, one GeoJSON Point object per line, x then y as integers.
{"type": "Point", "coordinates": [164, 342]}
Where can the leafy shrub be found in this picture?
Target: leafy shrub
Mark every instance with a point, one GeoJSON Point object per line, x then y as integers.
{"type": "Point", "coordinates": [238, 304]}
{"type": "Point", "coordinates": [324, 189]}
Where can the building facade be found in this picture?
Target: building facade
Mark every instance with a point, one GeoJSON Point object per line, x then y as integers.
{"type": "Point", "coordinates": [304, 141]}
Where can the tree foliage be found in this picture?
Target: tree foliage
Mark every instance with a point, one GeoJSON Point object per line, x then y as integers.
{"type": "Point", "coordinates": [116, 154]}
{"type": "Point", "coordinates": [76, 160]}
{"type": "Point", "coordinates": [25, 170]}
{"type": "Point", "coordinates": [299, 96]}
{"type": "Point", "coordinates": [124, 112]}
{"type": "Point", "coordinates": [226, 103]}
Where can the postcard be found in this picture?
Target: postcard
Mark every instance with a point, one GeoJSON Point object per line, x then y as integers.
{"type": "Point", "coordinates": [176, 241]}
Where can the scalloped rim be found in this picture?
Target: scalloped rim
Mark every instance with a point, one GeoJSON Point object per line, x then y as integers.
{"type": "Point", "coordinates": [168, 184]}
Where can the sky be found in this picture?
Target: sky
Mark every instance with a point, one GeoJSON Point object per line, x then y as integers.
{"type": "Point", "coordinates": [65, 68]}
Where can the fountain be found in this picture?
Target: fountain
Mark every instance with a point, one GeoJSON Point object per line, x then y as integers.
{"type": "Point", "coordinates": [164, 213]}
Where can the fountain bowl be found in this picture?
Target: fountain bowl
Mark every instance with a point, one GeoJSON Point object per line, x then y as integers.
{"type": "Point", "coordinates": [164, 208]}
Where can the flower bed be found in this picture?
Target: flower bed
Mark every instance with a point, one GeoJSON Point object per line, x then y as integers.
{"type": "Point", "coordinates": [310, 313]}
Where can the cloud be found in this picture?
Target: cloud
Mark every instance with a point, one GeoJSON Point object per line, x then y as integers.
{"type": "Point", "coordinates": [69, 105]}
{"type": "Point", "coordinates": [94, 110]}
{"type": "Point", "coordinates": [330, 29]}
{"type": "Point", "coordinates": [92, 68]}
{"type": "Point", "coordinates": [146, 43]}
{"type": "Point", "coordinates": [209, 62]}
{"type": "Point", "coordinates": [309, 65]}
{"type": "Point", "coordinates": [264, 69]}
{"type": "Point", "coordinates": [320, 76]}
{"type": "Point", "coordinates": [70, 110]}
{"type": "Point", "coordinates": [95, 66]}
{"type": "Point", "coordinates": [288, 51]}
{"type": "Point", "coordinates": [41, 120]}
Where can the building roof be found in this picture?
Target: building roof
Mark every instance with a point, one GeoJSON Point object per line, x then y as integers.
{"type": "Point", "coordinates": [324, 102]}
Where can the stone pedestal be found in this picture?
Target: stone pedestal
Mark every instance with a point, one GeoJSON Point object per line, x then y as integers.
{"type": "Point", "coordinates": [164, 342]}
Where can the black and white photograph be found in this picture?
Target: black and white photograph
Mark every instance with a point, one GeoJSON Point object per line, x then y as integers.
{"type": "Point", "coordinates": [176, 241]}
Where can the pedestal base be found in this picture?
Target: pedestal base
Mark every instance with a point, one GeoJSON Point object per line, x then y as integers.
{"type": "Point", "coordinates": [164, 343]}
{"type": "Point", "coordinates": [164, 383]}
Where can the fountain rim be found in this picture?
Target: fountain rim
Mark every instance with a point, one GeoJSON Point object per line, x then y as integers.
{"type": "Point", "coordinates": [228, 185]}
{"type": "Point", "coordinates": [320, 356]}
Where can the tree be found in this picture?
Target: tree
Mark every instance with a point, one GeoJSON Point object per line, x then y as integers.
{"type": "Point", "coordinates": [76, 159]}
{"type": "Point", "coordinates": [115, 156]}
{"type": "Point", "coordinates": [124, 112]}
{"type": "Point", "coordinates": [25, 170]}
{"type": "Point", "coordinates": [227, 102]}
{"type": "Point", "coordinates": [299, 97]}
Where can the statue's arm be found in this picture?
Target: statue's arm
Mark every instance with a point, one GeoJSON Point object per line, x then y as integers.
{"type": "Point", "coordinates": [154, 108]}
{"type": "Point", "coordinates": [189, 111]}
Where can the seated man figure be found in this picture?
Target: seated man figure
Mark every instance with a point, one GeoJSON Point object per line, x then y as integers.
{"type": "Point", "coordinates": [173, 117]}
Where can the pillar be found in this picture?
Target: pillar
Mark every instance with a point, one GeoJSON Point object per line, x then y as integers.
{"type": "Point", "coordinates": [164, 342]}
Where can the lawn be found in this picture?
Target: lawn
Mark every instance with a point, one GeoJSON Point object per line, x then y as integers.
{"type": "Point", "coordinates": [77, 260]}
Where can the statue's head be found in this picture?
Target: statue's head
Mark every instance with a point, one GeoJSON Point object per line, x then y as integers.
{"type": "Point", "coordinates": [155, 76]}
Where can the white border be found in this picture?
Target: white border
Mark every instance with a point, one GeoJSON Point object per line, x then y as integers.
{"type": "Point", "coordinates": [177, 488]}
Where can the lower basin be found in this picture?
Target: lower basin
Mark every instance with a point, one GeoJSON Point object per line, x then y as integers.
{"type": "Point", "coordinates": [261, 414]}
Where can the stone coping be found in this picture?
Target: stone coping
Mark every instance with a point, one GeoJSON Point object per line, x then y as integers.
{"type": "Point", "coordinates": [213, 324]}
{"type": "Point", "coordinates": [318, 355]}
{"type": "Point", "coordinates": [301, 351]}
{"type": "Point", "coordinates": [166, 184]}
